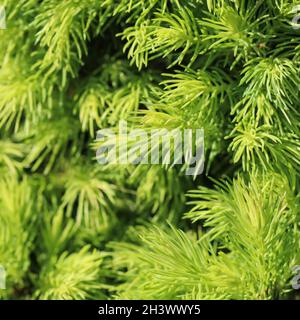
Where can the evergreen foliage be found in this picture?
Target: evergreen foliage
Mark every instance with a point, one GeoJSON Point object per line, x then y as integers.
{"type": "Point", "coordinates": [71, 228]}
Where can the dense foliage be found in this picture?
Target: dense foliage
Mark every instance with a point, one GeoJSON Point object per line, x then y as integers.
{"type": "Point", "coordinates": [71, 228]}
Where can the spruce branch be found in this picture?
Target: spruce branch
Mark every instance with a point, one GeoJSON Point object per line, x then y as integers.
{"type": "Point", "coordinates": [234, 30]}
{"type": "Point", "coordinates": [259, 146]}
{"type": "Point", "coordinates": [276, 79]}
{"type": "Point", "coordinates": [75, 276]}
{"type": "Point", "coordinates": [92, 100]}
{"type": "Point", "coordinates": [256, 220]}
{"type": "Point", "coordinates": [68, 68]}
{"type": "Point", "coordinates": [50, 140]}
{"type": "Point", "coordinates": [89, 193]}
{"type": "Point", "coordinates": [21, 96]}
{"type": "Point", "coordinates": [56, 233]}
{"type": "Point", "coordinates": [17, 229]}
{"type": "Point", "coordinates": [11, 155]}
{"type": "Point", "coordinates": [63, 31]}
{"type": "Point", "coordinates": [165, 265]}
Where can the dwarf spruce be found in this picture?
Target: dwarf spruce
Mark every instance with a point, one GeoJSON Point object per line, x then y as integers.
{"type": "Point", "coordinates": [71, 228]}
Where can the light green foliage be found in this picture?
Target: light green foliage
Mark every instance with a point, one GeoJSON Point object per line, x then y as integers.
{"type": "Point", "coordinates": [252, 232]}
{"type": "Point", "coordinates": [11, 155]}
{"type": "Point", "coordinates": [150, 276]}
{"type": "Point", "coordinates": [257, 221]}
{"type": "Point", "coordinates": [17, 229]}
{"type": "Point", "coordinates": [74, 276]}
{"type": "Point", "coordinates": [167, 34]}
{"type": "Point", "coordinates": [275, 80]}
{"type": "Point", "coordinates": [62, 30]}
{"type": "Point", "coordinates": [71, 228]}
{"type": "Point", "coordinates": [90, 194]}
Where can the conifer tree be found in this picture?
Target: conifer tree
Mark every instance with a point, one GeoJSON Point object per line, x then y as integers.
{"type": "Point", "coordinates": [71, 228]}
